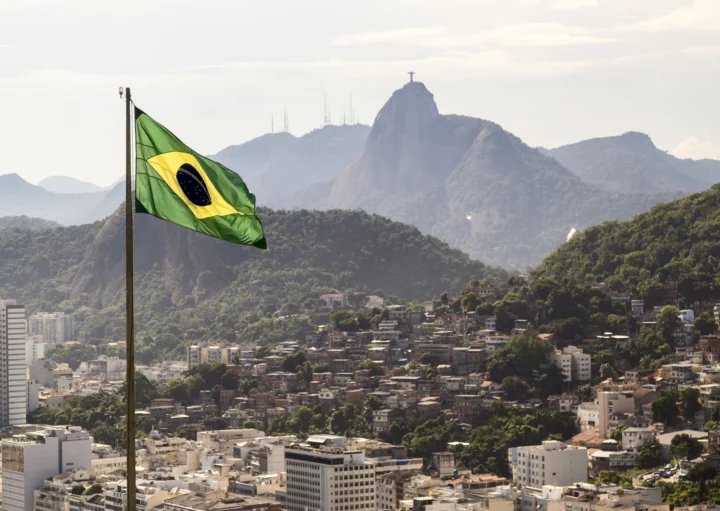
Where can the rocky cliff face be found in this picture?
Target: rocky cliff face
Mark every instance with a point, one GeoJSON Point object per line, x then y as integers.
{"type": "Point", "coordinates": [410, 148]}
{"type": "Point", "coordinates": [471, 183]}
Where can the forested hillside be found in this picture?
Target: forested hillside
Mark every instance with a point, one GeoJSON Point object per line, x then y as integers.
{"type": "Point", "coordinates": [678, 241]}
{"type": "Point", "coordinates": [193, 287]}
{"type": "Point", "coordinates": [26, 222]}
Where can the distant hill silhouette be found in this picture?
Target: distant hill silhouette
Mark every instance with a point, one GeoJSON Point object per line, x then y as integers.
{"type": "Point", "coordinates": [631, 163]}
{"type": "Point", "coordinates": [66, 184]}
{"type": "Point", "coordinates": [18, 198]}
{"type": "Point", "coordinates": [285, 171]}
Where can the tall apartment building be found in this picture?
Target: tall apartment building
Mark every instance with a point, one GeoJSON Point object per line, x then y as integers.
{"type": "Point", "coordinates": [323, 474]}
{"type": "Point", "coordinates": [13, 385]}
{"type": "Point", "coordinates": [201, 354]}
{"type": "Point", "coordinates": [552, 463]}
{"type": "Point", "coordinates": [574, 364]}
{"type": "Point", "coordinates": [52, 327]}
{"type": "Point", "coordinates": [612, 403]}
{"type": "Point", "coordinates": [30, 459]}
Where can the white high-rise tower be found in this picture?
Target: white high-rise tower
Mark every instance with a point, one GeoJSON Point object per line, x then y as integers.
{"type": "Point", "coordinates": [13, 384]}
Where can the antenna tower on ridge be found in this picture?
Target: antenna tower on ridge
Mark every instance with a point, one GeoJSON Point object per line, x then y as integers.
{"type": "Point", "coordinates": [326, 114]}
{"type": "Point", "coordinates": [352, 114]}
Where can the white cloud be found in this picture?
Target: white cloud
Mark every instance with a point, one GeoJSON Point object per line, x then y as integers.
{"type": "Point", "coordinates": [515, 35]}
{"type": "Point", "coordinates": [699, 15]}
{"type": "Point", "coordinates": [700, 50]}
{"type": "Point", "coordinates": [565, 5]}
{"type": "Point", "coordinates": [544, 34]}
{"type": "Point", "coordinates": [573, 4]}
{"type": "Point", "coordinates": [390, 36]}
{"type": "Point", "coordinates": [497, 62]}
{"type": "Point", "coordinates": [696, 149]}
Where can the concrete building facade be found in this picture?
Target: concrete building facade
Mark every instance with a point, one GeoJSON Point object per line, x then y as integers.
{"type": "Point", "coordinates": [322, 474]}
{"type": "Point", "coordinates": [30, 459]}
{"type": "Point", "coordinates": [552, 463]}
{"type": "Point", "coordinates": [13, 384]}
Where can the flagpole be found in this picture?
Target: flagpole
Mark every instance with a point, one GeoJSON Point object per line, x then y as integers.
{"type": "Point", "coordinates": [130, 328]}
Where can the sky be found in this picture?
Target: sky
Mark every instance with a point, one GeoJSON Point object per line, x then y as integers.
{"type": "Point", "coordinates": [217, 71]}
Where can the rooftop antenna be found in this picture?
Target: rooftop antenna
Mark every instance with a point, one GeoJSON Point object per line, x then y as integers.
{"type": "Point", "coordinates": [343, 116]}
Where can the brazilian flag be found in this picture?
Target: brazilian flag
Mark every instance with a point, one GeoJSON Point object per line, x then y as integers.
{"type": "Point", "coordinates": [175, 183]}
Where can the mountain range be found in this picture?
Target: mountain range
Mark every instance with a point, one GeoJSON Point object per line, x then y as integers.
{"type": "Point", "coordinates": [473, 184]}
{"type": "Point", "coordinates": [285, 171]}
{"type": "Point", "coordinates": [465, 180]}
{"type": "Point", "coordinates": [20, 198]}
{"type": "Point", "coordinates": [631, 163]}
{"type": "Point", "coordinates": [66, 184]}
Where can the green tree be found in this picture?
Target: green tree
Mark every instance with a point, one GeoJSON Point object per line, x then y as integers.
{"type": "Point", "coordinates": [301, 420]}
{"type": "Point", "coordinates": [690, 403]}
{"type": "Point", "coordinates": [344, 320]}
{"type": "Point", "coordinates": [649, 457]}
{"type": "Point", "coordinates": [665, 408]}
{"type": "Point", "coordinates": [607, 371]}
{"type": "Point", "coordinates": [667, 322]}
{"type": "Point", "coordinates": [684, 446]}
{"type": "Point", "coordinates": [374, 368]}
{"type": "Point", "coordinates": [702, 472]}
{"type": "Point", "coordinates": [705, 324]}
{"type": "Point", "coordinates": [515, 388]}
{"type": "Point", "coordinates": [291, 362]}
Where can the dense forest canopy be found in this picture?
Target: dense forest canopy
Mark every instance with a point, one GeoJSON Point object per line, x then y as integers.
{"type": "Point", "coordinates": [191, 287]}
{"type": "Point", "coordinates": [678, 241]}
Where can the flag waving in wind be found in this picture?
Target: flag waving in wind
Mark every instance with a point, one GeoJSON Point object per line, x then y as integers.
{"type": "Point", "coordinates": [175, 183]}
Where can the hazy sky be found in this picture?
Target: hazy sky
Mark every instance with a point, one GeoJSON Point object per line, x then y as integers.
{"type": "Point", "coordinates": [214, 71]}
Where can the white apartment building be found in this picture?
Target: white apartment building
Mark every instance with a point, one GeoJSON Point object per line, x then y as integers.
{"type": "Point", "coordinates": [30, 459]}
{"type": "Point", "coordinates": [33, 395]}
{"type": "Point", "coordinates": [496, 342]}
{"type": "Point", "coordinates": [552, 463]}
{"type": "Point", "coordinates": [13, 385]}
{"type": "Point", "coordinates": [201, 354]}
{"type": "Point", "coordinates": [634, 439]}
{"type": "Point", "coordinates": [574, 364]}
{"type": "Point", "coordinates": [611, 403]}
{"type": "Point", "coordinates": [35, 349]}
{"type": "Point", "coordinates": [322, 474]}
{"type": "Point", "coordinates": [587, 415]}
{"type": "Point", "coordinates": [52, 327]}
